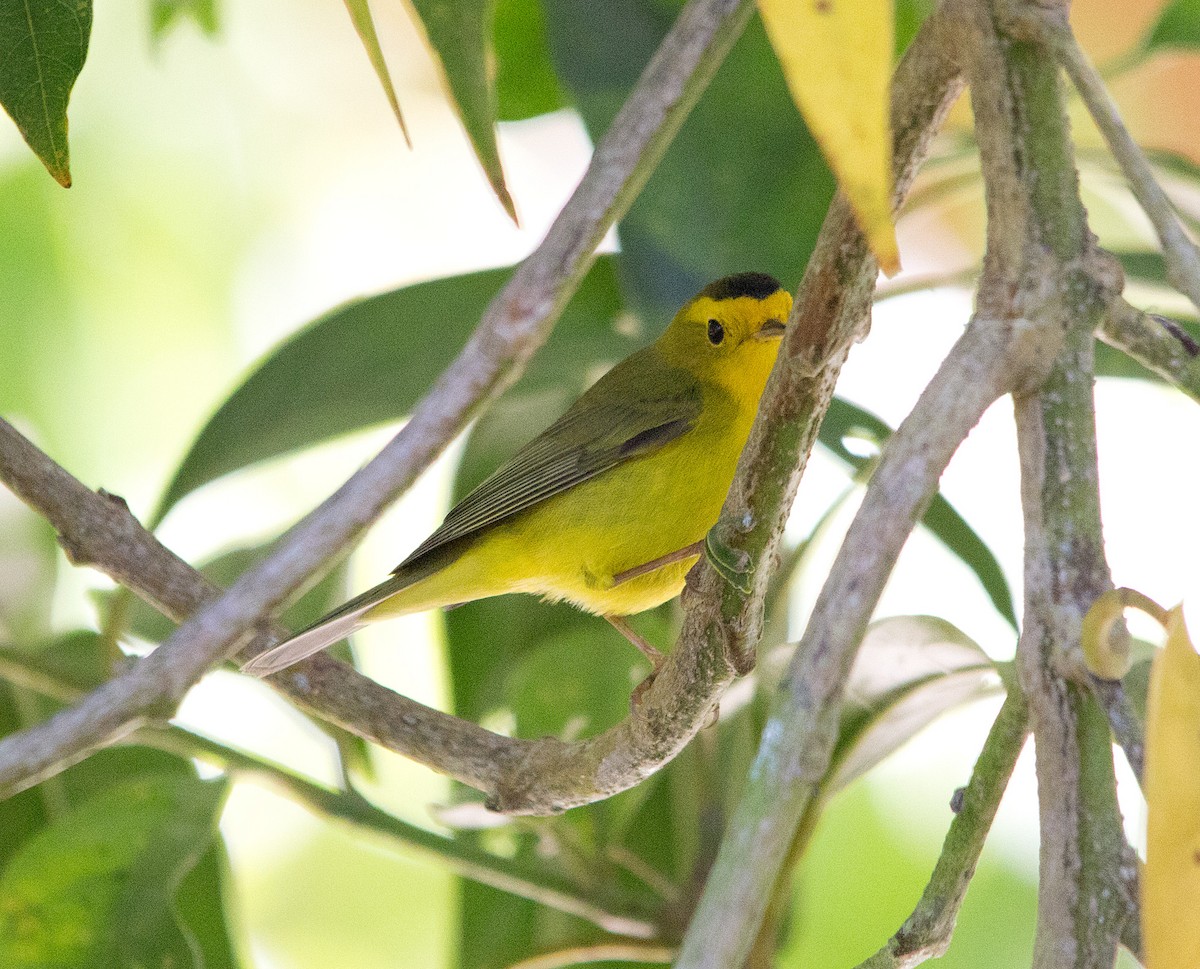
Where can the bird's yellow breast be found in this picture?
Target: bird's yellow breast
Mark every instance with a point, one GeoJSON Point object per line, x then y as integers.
{"type": "Point", "coordinates": [642, 510]}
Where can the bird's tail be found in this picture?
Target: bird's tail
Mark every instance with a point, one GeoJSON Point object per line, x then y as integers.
{"type": "Point", "coordinates": [325, 631]}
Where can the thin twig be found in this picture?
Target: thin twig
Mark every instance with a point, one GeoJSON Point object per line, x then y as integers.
{"type": "Point", "coordinates": [1179, 252]}
{"type": "Point", "coordinates": [926, 933]}
{"type": "Point", "coordinates": [513, 327]}
{"type": "Point", "coordinates": [1156, 342]}
{"type": "Point", "coordinates": [604, 952]}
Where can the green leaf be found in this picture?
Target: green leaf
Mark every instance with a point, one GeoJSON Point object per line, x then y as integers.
{"type": "Point", "coordinates": [200, 903]}
{"type": "Point", "coordinates": [1177, 26]}
{"type": "Point", "coordinates": [364, 25]}
{"type": "Point", "coordinates": [526, 84]}
{"type": "Point", "coordinates": [460, 34]}
{"type": "Point", "coordinates": [910, 14]}
{"type": "Point", "coordinates": [848, 421]}
{"type": "Point", "coordinates": [44, 44]}
{"type": "Point", "coordinates": [28, 557]}
{"type": "Point", "coordinates": [370, 362]}
{"type": "Point", "coordinates": [79, 660]}
{"type": "Point", "coordinates": [909, 671]}
{"type": "Point", "coordinates": [574, 684]}
{"type": "Point", "coordinates": [165, 14]}
{"type": "Point", "coordinates": [742, 186]}
{"type": "Point", "coordinates": [96, 887]}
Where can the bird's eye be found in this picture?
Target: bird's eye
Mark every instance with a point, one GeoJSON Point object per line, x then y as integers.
{"type": "Point", "coordinates": [716, 332]}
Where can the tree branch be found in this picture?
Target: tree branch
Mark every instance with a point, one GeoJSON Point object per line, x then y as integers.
{"type": "Point", "coordinates": [1064, 284]}
{"type": "Point", "coordinates": [601, 906]}
{"type": "Point", "coordinates": [793, 758]}
{"type": "Point", "coordinates": [1155, 342]}
{"type": "Point", "coordinates": [926, 933]}
{"type": "Point", "coordinates": [514, 325]}
{"type": "Point", "coordinates": [1179, 252]}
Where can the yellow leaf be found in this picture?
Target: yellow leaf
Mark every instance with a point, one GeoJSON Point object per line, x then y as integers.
{"type": "Point", "coordinates": [837, 58]}
{"type": "Point", "coordinates": [1171, 879]}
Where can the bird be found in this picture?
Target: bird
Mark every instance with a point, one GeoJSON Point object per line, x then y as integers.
{"type": "Point", "coordinates": [608, 507]}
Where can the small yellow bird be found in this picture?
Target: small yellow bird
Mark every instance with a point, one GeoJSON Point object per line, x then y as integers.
{"type": "Point", "coordinates": [608, 507]}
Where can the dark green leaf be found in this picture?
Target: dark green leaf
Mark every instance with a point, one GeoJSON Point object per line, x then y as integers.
{"type": "Point", "coordinates": [1177, 26]}
{"type": "Point", "coordinates": [743, 186]}
{"type": "Point", "coordinates": [96, 887]}
{"type": "Point", "coordinates": [909, 671]}
{"type": "Point", "coordinates": [910, 14]}
{"type": "Point", "coordinates": [460, 33]}
{"type": "Point", "coordinates": [165, 14]}
{"type": "Point", "coordinates": [526, 84]}
{"type": "Point", "coordinates": [200, 903]}
{"type": "Point", "coordinates": [370, 361]}
{"type": "Point", "coordinates": [43, 44]}
{"type": "Point", "coordinates": [79, 661]}
{"type": "Point", "coordinates": [576, 683]}
{"type": "Point", "coordinates": [846, 420]}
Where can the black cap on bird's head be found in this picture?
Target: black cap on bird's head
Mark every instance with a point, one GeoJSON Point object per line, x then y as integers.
{"type": "Point", "coordinates": [756, 285]}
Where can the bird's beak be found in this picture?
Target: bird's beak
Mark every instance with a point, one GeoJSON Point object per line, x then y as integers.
{"type": "Point", "coordinates": [771, 330]}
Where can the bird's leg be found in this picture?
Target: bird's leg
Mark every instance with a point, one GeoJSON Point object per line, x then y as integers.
{"type": "Point", "coordinates": [646, 567]}
{"type": "Point", "coordinates": [656, 658]}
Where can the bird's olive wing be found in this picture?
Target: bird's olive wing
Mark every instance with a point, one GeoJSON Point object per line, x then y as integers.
{"type": "Point", "coordinates": [636, 408]}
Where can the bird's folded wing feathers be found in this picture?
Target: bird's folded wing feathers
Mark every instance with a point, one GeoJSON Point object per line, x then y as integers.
{"type": "Point", "coordinates": [620, 418]}
{"type": "Point", "coordinates": [617, 419]}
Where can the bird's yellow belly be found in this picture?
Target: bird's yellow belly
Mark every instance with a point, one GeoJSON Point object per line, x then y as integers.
{"type": "Point", "coordinates": [612, 524]}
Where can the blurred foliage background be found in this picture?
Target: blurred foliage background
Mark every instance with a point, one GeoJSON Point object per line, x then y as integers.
{"type": "Point", "coordinates": [177, 328]}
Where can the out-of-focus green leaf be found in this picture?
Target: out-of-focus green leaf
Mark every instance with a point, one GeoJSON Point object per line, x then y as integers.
{"type": "Point", "coordinates": [909, 671]}
{"type": "Point", "coordinates": [370, 362]}
{"type": "Point", "coordinates": [202, 908]}
{"type": "Point", "coordinates": [27, 564]}
{"type": "Point", "coordinates": [526, 84]}
{"type": "Point", "coordinates": [846, 421]}
{"type": "Point", "coordinates": [364, 25]}
{"type": "Point", "coordinates": [460, 33]}
{"type": "Point", "coordinates": [165, 14]}
{"type": "Point", "coordinates": [95, 887]}
{"type": "Point", "coordinates": [573, 684]}
{"type": "Point", "coordinates": [43, 44]}
{"type": "Point", "coordinates": [79, 660]}
{"type": "Point", "coordinates": [1177, 26]}
{"type": "Point", "coordinates": [910, 14]}
{"type": "Point", "coordinates": [36, 297]}
{"type": "Point", "coordinates": [742, 186]}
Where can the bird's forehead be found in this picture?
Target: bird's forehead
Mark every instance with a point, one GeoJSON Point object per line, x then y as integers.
{"type": "Point", "coordinates": [739, 309]}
